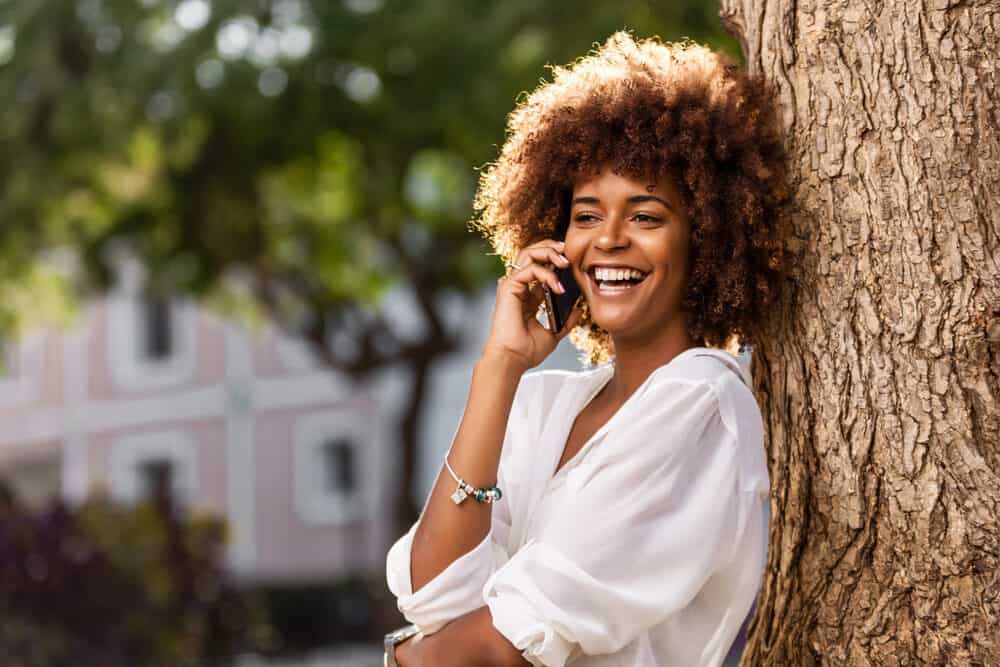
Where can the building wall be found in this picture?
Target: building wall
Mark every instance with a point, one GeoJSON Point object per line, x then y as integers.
{"type": "Point", "coordinates": [201, 441]}
{"type": "Point", "coordinates": [243, 417]}
{"type": "Point", "coordinates": [300, 536]}
{"type": "Point", "coordinates": [30, 394]}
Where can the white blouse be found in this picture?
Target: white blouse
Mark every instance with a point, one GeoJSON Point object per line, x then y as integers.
{"type": "Point", "coordinates": [647, 548]}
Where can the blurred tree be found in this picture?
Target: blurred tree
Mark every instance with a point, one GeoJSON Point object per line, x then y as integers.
{"type": "Point", "coordinates": [303, 155]}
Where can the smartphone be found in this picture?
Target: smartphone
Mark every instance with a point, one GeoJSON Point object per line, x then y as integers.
{"type": "Point", "coordinates": [558, 306]}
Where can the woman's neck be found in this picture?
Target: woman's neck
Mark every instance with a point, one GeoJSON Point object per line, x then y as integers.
{"type": "Point", "coordinates": [635, 361]}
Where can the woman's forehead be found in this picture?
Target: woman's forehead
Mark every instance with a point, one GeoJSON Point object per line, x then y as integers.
{"type": "Point", "coordinates": [607, 178]}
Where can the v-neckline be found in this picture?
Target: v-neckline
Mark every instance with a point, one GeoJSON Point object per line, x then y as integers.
{"type": "Point", "coordinates": [556, 470]}
{"type": "Point", "coordinates": [593, 394]}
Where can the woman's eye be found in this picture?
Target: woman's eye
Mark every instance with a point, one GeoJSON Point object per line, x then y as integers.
{"type": "Point", "coordinates": [638, 217]}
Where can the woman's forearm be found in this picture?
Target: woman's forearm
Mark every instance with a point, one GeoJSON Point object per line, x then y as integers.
{"type": "Point", "coordinates": [468, 641]}
{"type": "Point", "coordinates": [448, 531]}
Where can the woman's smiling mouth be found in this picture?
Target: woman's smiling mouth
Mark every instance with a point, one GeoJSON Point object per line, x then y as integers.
{"type": "Point", "coordinates": [614, 281]}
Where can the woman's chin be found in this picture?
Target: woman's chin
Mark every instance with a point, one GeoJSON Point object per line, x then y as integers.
{"type": "Point", "coordinates": [613, 324]}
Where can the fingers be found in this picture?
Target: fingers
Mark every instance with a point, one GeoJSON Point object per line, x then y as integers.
{"type": "Point", "coordinates": [547, 251]}
{"type": "Point", "coordinates": [519, 281]}
{"type": "Point", "coordinates": [557, 258]}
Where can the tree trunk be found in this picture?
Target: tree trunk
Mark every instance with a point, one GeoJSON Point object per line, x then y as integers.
{"type": "Point", "coordinates": [407, 509]}
{"type": "Point", "coordinates": [880, 381]}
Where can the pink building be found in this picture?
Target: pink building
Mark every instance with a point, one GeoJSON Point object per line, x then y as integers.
{"type": "Point", "coordinates": [243, 423]}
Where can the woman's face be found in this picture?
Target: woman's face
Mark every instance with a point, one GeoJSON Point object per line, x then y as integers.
{"type": "Point", "coordinates": [618, 225]}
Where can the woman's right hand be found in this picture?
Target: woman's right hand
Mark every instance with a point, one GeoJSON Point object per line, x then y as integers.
{"type": "Point", "coordinates": [515, 331]}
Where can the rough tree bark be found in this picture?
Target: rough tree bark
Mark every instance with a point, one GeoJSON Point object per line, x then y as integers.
{"type": "Point", "coordinates": [880, 383]}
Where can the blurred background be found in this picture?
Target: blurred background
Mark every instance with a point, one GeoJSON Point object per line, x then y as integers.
{"type": "Point", "coordinates": [239, 306]}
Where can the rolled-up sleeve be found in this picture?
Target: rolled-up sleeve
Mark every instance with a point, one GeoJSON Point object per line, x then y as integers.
{"type": "Point", "coordinates": [656, 511]}
{"type": "Point", "coordinates": [456, 590]}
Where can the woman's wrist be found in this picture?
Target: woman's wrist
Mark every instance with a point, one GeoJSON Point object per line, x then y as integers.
{"type": "Point", "coordinates": [500, 359]}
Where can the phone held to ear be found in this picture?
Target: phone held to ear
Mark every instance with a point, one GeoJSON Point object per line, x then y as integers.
{"type": "Point", "coordinates": [558, 306]}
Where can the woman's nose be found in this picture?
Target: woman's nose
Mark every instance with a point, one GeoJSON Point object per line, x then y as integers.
{"type": "Point", "coordinates": [612, 234]}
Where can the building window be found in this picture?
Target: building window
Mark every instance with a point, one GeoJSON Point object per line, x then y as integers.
{"type": "Point", "coordinates": [142, 462]}
{"type": "Point", "coordinates": [159, 342]}
{"type": "Point", "coordinates": [152, 336]}
{"type": "Point", "coordinates": [154, 475]}
{"type": "Point", "coordinates": [329, 468]}
{"type": "Point", "coordinates": [338, 461]}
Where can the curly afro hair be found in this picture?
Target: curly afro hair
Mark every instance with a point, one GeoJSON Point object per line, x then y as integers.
{"type": "Point", "coordinates": [647, 108]}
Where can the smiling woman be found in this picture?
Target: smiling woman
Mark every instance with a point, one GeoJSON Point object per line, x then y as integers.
{"type": "Point", "coordinates": [676, 114]}
{"type": "Point", "coordinates": [628, 241]}
{"type": "Point", "coordinates": [616, 515]}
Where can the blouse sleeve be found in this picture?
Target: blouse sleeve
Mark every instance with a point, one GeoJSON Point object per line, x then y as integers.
{"type": "Point", "coordinates": [653, 516]}
{"type": "Point", "coordinates": [457, 590]}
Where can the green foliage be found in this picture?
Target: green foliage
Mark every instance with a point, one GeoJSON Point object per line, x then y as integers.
{"type": "Point", "coordinates": [325, 149]}
{"type": "Point", "coordinates": [288, 159]}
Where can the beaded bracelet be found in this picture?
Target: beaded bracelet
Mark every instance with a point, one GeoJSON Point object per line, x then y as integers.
{"type": "Point", "coordinates": [464, 490]}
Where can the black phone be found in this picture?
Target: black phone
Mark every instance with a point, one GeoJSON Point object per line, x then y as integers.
{"type": "Point", "coordinates": [558, 306]}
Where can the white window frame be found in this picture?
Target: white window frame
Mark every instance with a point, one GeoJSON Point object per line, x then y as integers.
{"type": "Point", "coordinates": [130, 369]}
{"type": "Point", "coordinates": [129, 452]}
{"type": "Point", "coordinates": [314, 503]}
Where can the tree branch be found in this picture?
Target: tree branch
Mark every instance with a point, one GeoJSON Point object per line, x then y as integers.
{"type": "Point", "coordinates": [369, 357]}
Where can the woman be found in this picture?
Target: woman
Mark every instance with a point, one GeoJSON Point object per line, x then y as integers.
{"type": "Point", "coordinates": [616, 514]}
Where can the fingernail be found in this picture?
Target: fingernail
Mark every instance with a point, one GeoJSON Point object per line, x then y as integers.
{"type": "Point", "coordinates": [564, 258]}
{"type": "Point", "coordinates": [561, 244]}
{"type": "Point", "coordinates": [561, 288]}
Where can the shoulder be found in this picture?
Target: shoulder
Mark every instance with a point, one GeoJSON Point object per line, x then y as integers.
{"type": "Point", "coordinates": [536, 401]}
{"type": "Point", "coordinates": [725, 374]}
{"type": "Point", "coordinates": [559, 375]}
{"type": "Point", "coordinates": [540, 393]}
{"type": "Point", "coordinates": [547, 383]}
{"type": "Point", "coordinates": [731, 383]}
{"type": "Point", "coordinates": [708, 364]}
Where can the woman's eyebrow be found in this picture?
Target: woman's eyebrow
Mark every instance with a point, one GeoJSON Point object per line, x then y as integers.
{"type": "Point", "coordinates": [641, 199]}
{"type": "Point", "coordinates": [635, 199]}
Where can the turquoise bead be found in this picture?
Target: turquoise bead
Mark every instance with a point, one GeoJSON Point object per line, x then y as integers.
{"type": "Point", "coordinates": [498, 493]}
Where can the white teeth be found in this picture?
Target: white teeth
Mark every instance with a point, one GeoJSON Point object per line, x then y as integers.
{"type": "Point", "coordinates": [617, 274]}
{"type": "Point", "coordinates": [613, 280]}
